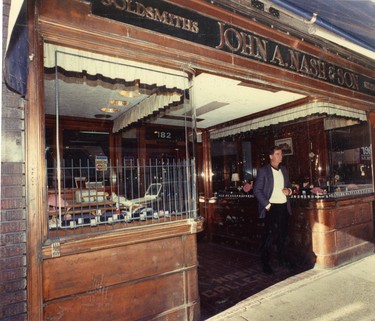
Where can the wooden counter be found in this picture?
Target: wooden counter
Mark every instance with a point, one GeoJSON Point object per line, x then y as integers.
{"type": "Point", "coordinates": [324, 231]}
{"type": "Point", "coordinates": [342, 230]}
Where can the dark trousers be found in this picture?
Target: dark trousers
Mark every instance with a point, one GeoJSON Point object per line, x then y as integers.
{"type": "Point", "coordinates": [275, 228]}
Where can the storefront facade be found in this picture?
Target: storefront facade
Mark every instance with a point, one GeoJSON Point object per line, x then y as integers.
{"type": "Point", "coordinates": [89, 251]}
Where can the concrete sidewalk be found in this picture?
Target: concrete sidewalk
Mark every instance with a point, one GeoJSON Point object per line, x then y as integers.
{"type": "Point", "coordinates": [346, 293]}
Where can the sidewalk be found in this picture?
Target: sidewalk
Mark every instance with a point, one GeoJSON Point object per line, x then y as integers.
{"type": "Point", "coordinates": [345, 293]}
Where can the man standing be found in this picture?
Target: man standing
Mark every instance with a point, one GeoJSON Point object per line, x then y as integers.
{"type": "Point", "coordinates": [271, 189]}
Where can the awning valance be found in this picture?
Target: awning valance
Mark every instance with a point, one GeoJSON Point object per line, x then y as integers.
{"type": "Point", "coordinates": [115, 68]}
{"type": "Point", "coordinates": [168, 85]}
{"type": "Point", "coordinates": [153, 104]}
{"type": "Point", "coordinates": [313, 108]}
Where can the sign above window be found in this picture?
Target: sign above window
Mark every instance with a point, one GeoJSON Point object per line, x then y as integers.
{"type": "Point", "coordinates": [192, 26]}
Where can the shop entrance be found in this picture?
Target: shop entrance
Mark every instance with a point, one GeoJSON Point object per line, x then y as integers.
{"type": "Point", "coordinates": [228, 125]}
{"type": "Point", "coordinates": [326, 149]}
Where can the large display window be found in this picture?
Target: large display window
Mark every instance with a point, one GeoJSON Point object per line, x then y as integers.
{"type": "Point", "coordinates": [326, 148]}
{"type": "Point", "coordinates": [119, 148]}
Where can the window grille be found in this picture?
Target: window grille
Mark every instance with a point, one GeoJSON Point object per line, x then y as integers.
{"type": "Point", "coordinates": [128, 194]}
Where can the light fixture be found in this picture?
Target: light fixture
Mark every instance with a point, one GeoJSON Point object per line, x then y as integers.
{"type": "Point", "coordinates": [118, 102]}
{"type": "Point", "coordinates": [130, 93]}
{"type": "Point", "coordinates": [110, 109]}
{"type": "Point", "coordinates": [235, 178]}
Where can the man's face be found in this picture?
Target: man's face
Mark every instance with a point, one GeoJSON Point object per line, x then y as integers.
{"type": "Point", "coordinates": [276, 157]}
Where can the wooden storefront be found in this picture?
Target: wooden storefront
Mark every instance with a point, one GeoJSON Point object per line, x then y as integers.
{"type": "Point", "coordinates": [150, 271]}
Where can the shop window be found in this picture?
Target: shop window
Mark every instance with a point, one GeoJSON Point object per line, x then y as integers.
{"type": "Point", "coordinates": [326, 150]}
{"type": "Point", "coordinates": [231, 164]}
{"type": "Point", "coordinates": [118, 152]}
{"type": "Point", "coordinates": [349, 159]}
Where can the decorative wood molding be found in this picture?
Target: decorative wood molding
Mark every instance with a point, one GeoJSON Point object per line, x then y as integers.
{"type": "Point", "coordinates": [91, 242]}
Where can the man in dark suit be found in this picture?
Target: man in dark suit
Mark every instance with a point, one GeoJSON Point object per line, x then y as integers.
{"type": "Point", "coordinates": [272, 188]}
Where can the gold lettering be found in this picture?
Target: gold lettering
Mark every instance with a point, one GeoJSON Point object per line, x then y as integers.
{"type": "Point", "coordinates": [106, 2]}
{"type": "Point", "coordinates": [340, 76]}
{"type": "Point", "coordinates": [322, 70]}
{"type": "Point", "coordinates": [169, 19]}
{"type": "Point", "coordinates": [221, 33]}
{"type": "Point", "coordinates": [150, 13]}
{"type": "Point", "coordinates": [313, 67]}
{"type": "Point", "coordinates": [331, 73]}
{"type": "Point", "coordinates": [160, 17]}
{"type": "Point", "coordinates": [186, 24]}
{"type": "Point", "coordinates": [355, 82]}
{"type": "Point", "coordinates": [141, 9]}
{"type": "Point", "coordinates": [351, 80]}
{"type": "Point", "coordinates": [261, 49]}
{"type": "Point", "coordinates": [227, 39]}
{"type": "Point", "coordinates": [120, 4]}
{"type": "Point", "coordinates": [304, 65]}
{"type": "Point", "coordinates": [129, 6]}
{"type": "Point", "coordinates": [164, 17]}
{"type": "Point", "coordinates": [368, 85]}
{"type": "Point", "coordinates": [247, 43]}
{"type": "Point", "coordinates": [294, 60]}
{"type": "Point", "coordinates": [195, 27]}
{"type": "Point", "coordinates": [178, 20]}
{"type": "Point", "coordinates": [277, 57]}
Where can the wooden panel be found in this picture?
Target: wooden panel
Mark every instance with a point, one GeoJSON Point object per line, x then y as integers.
{"type": "Point", "coordinates": [78, 273]}
{"type": "Point", "coordinates": [190, 242]}
{"type": "Point", "coordinates": [345, 256]}
{"type": "Point", "coordinates": [321, 220]}
{"type": "Point", "coordinates": [353, 214]}
{"type": "Point", "coordinates": [353, 236]}
{"type": "Point", "coordinates": [143, 232]}
{"type": "Point", "coordinates": [342, 233]}
{"type": "Point", "coordinates": [192, 285]}
{"type": "Point", "coordinates": [324, 243]}
{"type": "Point", "coordinates": [141, 300]}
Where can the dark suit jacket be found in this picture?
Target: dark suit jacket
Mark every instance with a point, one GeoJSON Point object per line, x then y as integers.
{"type": "Point", "coordinates": [264, 186]}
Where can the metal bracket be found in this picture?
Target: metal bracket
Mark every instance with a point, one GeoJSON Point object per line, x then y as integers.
{"type": "Point", "coordinates": [55, 247]}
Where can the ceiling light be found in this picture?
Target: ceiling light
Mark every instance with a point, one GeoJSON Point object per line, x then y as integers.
{"type": "Point", "coordinates": [130, 93]}
{"type": "Point", "coordinates": [118, 102]}
{"type": "Point", "coordinates": [110, 109]}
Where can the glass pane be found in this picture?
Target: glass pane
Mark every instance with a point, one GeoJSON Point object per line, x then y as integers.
{"type": "Point", "coordinates": [327, 155]}
{"type": "Point", "coordinates": [350, 159]}
{"type": "Point", "coordinates": [119, 151]}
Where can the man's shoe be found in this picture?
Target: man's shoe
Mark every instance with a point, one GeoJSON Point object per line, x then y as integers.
{"type": "Point", "coordinates": [267, 269]}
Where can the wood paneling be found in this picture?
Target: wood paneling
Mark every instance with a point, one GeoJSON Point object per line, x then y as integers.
{"type": "Point", "coordinates": [141, 300]}
{"type": "Point", "coordinates": [147, 279]}
{"type": "Point", "coordinates": [113, 266]}
{"type": "Point", "coordinates": [343, 231]}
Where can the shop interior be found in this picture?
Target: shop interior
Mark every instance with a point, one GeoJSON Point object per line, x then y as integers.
{"type": "Point", "coordinates": [123, 141]}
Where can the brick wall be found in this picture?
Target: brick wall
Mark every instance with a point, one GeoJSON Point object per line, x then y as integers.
{"type": "Point", "coordinates": [12, 212]}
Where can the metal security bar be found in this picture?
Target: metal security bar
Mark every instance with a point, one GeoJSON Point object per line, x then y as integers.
{"type": "Point", "coordinates": [86, 198]}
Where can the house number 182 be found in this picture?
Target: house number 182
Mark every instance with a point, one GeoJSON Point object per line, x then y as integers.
{"type": "Point", "coordinates": [165, 135]}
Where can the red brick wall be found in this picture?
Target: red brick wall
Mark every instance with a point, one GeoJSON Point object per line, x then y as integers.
{"type": "Point", "coordinates": [12, 213]}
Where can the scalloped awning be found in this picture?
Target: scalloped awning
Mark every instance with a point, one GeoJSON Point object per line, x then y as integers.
{"type": "Point", "coordinates": [313, 108]}
{"type": "Point", "coordinates": [169, 84]}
